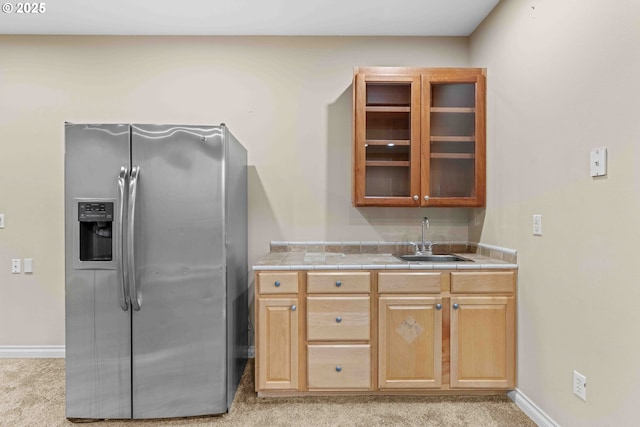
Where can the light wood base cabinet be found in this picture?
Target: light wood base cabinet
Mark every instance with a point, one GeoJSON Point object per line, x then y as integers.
{"type": "Point", "coordinates": [381, 332]}
{"type": "Point", "coordinates": [277, 339]}
{"type": "Point", "coordinates": [410, 342]}
{"type": "Point", "coordinates": [483, 342]}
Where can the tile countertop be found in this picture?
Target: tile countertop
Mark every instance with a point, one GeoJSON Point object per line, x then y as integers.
{"type": "Point", "coordinates": [379, 256]}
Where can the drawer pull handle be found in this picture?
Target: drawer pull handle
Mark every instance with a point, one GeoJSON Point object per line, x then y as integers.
{"type": "Point", "coordinates": [277, 283]}
{"type": "Point", "coordinates": [455, 306]}
{"type": "Point", "coordinates": [338, 319]}
{"type": "Point", "coordinates": [338, 368]}
{"type": "Point", "coordinates": [438, 306]}
{"type": "Point", "coordinates": [293, 307]}
{"type": "Point", "coordinates": [338, 283]}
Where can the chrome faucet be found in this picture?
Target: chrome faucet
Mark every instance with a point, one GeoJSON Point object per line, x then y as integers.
{"type": "Point", "coordinates": [425, 248]}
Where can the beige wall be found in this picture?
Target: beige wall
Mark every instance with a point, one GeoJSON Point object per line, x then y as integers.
{"type": "Point", "coordinates": [287, 99]}
{"type": "Point", "coordinates": [564, 78]}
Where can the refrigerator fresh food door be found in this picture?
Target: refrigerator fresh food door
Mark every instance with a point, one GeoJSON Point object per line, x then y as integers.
{"type": "Point", "coordinates": [179, 331]}
{"type": "Point", "coordinates": [98, 319]}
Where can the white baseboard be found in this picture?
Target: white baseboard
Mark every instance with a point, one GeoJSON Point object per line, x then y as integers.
{"type": "Point", "coordinates": [53, 352]}
{"type": "Point", "coordinates": [532, 410]}
{"type": "Point", "coordinates": [31, 351]}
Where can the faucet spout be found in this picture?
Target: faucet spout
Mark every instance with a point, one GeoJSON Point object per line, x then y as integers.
{"type": "Point", "coordinates": [426, 247]}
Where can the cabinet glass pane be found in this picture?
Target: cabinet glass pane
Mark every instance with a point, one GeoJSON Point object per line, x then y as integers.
{"type": "Point", "coordinates": [452, 177]}
{"type": "Point", "coordinates": [388, 125]}
{"type": "Point", "coordinates": [387, 181]}
{"type": "Point", "coordinates": [453, 124]}
{"type": "Point", "coordinates": [389, 94]}
{"type": "Point", "coordinates": [388, 139]}
{"type": "Point", "coordinates": [453, 148]}
{"type": "Point", "coordinates": [456, 95]}
{"type": "Point", "coordinates": [389, 153]}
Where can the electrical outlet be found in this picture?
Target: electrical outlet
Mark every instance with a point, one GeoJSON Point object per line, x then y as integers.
{"type": "Point", "coordinates": [537, 225]}
{"type": "Point", "coordinates": [15, 266]}
{"type": "Point", "coordinates": [580, 385]}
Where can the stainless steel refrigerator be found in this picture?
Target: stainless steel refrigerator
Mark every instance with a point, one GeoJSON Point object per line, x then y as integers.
{"type": "Point", "coordinates": [156, 270]}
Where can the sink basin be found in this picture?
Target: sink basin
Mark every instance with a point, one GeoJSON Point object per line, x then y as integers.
{"type": "Point", "coordinates": [433, 258]}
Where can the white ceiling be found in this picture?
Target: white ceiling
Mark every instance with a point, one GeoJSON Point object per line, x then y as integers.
{"type": "Point", "coordinates": [250, 17]}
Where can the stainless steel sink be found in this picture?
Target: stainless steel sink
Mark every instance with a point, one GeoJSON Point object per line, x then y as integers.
{"type": "Point", "coordinates": [433, 258]}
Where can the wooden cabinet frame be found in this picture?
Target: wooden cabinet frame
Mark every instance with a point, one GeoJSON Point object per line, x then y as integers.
{"type": "Point", "coordinates": [422, 159]}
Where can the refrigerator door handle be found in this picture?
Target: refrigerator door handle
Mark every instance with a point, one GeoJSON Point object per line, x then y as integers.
{"type": "Point", "coordinates": [119, 241]}
{"type": "Point", "coordinates": [134, 295]}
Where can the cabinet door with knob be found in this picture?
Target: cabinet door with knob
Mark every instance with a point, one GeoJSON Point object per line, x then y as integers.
{"type": "Point", "coordinates": [482, 342]}
{"type": "Point", "coordinates": [277, 337]}
{"type": "Point", "coordinates": [410, 342]}
{"type": "Point", "coordinates": [386, 140]}
{"type": "Point", "coordinates": [453, 138]}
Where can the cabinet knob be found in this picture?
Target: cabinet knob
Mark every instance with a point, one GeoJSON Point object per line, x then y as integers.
{"type": "Point", "coordinates": [438, 306]}
{"type": "Point", "coordinates": [338, 368]}
{"type": "Point", "coordinates": [426, 197]}
{"type": "Point", "coordinates": [338, 319]}
{"type": "Point", "coordinates": [415, 197]}
{"type": "Point", "coordinates": [293, 307]}
{"type": "Point", "coordinates": [277, 283]}
{"type": "Point", "coordinates": [338, 283]}
{"type": "Point", "coordinates": [455, 306]}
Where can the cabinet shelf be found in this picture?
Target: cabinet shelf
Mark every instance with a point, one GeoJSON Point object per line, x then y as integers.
{"type": "Point", "coordinates": [387, 163]}
{"type": "Point", "coordinates": [453, 156]}
{"type": "Point", "coordinates": [453, 139]}
{"type": "Point", "coordinates": [464, 110]}
{"type": "Point", "coordinates": [387, 142]}
{"type": "Point", "coordinates": [387, 109]}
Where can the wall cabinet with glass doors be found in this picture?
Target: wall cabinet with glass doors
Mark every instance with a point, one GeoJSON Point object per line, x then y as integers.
{"type": "Point", "coordinates": [419, 136]}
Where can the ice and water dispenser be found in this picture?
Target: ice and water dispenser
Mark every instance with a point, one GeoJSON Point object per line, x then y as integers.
{"type": "Point", "coordinates": [96, 231]}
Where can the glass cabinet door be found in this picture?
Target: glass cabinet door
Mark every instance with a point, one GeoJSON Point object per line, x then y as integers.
{"type": "Point", "coordinates": [453, 140]}
{"type": "Point", "coordinates": [387, 140]}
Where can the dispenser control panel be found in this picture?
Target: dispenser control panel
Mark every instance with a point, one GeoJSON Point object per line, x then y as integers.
{"type": "Point", "coordinates": [95, 211]}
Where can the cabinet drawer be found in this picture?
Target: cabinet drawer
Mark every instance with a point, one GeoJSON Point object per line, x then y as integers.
{"type": "Point", "coordinates": [339, 366]}
{"type": "Point", "coordinates": [339, 282]}
{"type": "Point", "coordinates": [409, 282]}
{"type": "Point", "coordinates": [338, 318]}
{"type": "Point", "coordinates": [278, 282]}
{"type": "Point", "coordinates": [477, 282]}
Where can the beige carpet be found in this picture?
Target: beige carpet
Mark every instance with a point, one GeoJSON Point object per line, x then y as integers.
{"type": "Point", "coordinates": [32, 394]}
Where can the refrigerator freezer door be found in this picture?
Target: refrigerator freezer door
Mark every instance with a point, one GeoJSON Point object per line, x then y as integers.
{"type": "Point", "coordinates": [98, 330]}
{"type": "Point", "coordinates": [179, 333]}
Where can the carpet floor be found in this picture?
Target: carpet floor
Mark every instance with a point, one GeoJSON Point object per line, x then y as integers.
{"type": "Point", "coordinates": [32, 394]}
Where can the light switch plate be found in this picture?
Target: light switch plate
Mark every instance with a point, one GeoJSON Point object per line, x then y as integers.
{"type": "Point", "coordinates": [537, 225]}
{"type": "Point", "coordinates": [28, 265]}
{"type": "Point", "coordinates": [15, 266]}
{"type": "Point", "coordinates": [1, 220]}
{"type": "Point", "coordinates": [598, 162]}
